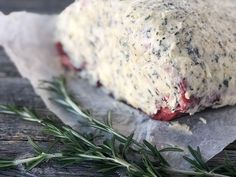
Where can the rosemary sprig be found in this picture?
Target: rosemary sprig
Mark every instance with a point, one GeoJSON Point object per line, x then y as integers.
{"type": "Point", "coordinates": [116, 151]}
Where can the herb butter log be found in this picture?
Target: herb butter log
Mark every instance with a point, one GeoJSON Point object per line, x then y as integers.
{"type": "Point", "coordinates": [165, 57]}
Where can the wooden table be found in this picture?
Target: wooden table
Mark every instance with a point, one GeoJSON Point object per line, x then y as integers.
{"type": "Point", "coordinates": [16, 90]}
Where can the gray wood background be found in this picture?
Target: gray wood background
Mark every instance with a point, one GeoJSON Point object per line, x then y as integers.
{"type": "Point", "coordinates": [16, 90]}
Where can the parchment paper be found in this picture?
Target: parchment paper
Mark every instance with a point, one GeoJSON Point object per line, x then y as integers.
{"type": "Point", "coordinates": [28, 40]}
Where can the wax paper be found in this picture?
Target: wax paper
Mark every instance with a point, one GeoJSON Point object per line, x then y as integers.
{"type": "Point", "coordinates": [28, 39]}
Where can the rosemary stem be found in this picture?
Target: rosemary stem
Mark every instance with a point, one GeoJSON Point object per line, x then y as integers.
{"type": "Point", "coordinates": [121, 162]}
{"type": "Point", "coordinates": [94, 121]}
{"type": "Point", "coordinates": [186, 172]}
{"type": "Point", "coordinates": [46, 156]}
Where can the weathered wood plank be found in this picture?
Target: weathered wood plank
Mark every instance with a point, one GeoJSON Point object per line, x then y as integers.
{"type": "Point", "coordinates": [18, 91]}
{"type": "Point", "coordinates": [15, 129]}
{"type": "Point", "coordinates": [53, 171]}
{"type": "Point", "coordinates": [21, 149]}
{"type": "Point", "coordinates": [40, 6]}
{"type": "Point", "coordinates": [232, 147]}
{"type": "Point", "coordinates": [13, 144]}
{"type": "Point", "coordinates": [7, 69]}
{"type": "Point", "coordinates": [219, 158]}
{"type": "Point", "coordinates": [11, 149]}
{"type": "Point", "coordinates": [14, 132]}
{"type": "Point", "coordinates": [3, 56]}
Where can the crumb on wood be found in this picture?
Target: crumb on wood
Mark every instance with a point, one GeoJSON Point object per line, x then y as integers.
{"type": "Point", "coordinates": [203, 120]}
{"type": "Point", "coordinates": [181, 127]}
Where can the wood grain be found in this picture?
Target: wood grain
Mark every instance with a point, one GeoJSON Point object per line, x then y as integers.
{"type": "Point", "coordinates": [16, 90]}
{"type": "Point", "coordinates": [7, 68]}
{"type": "Point", "coordinates": [39, 6]}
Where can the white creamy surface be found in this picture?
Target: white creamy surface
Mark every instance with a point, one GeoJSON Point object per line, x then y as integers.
{"type": "Point", "coordinates": [141, 50]}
